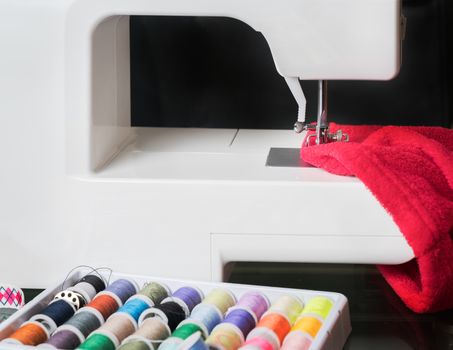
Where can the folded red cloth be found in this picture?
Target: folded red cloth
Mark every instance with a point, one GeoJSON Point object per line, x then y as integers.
{"type": "Point", "coordinates": [410, 172]}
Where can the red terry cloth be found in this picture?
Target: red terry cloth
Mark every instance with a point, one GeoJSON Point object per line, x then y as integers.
{"type": "Point", "coordinates": [410, 172]}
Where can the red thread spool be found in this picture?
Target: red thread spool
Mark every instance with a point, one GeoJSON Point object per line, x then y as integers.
{"type": "Point", "coordinates": [105, 304]}
{"type": "Point", "coordinates": [30, 333]}
{"type": "Point", "coordinates": [276, 322]}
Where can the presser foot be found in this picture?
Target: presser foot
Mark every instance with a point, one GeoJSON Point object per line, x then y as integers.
{"type": "Point", "coordinates": [322, 135]}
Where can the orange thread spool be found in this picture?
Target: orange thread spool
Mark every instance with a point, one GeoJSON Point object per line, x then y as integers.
{"type": "Point", "coordinates": [30, 333]}
{"type": "Point", "coordinates": [105, 304]}
{"type": "Point", "coordinates": [308, 324]}
{"type": "Point", "coordinates": [276, 322]}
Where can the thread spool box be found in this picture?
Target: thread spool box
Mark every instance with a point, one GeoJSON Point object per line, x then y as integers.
{"type": "Point", "coordinates": [332, 335]}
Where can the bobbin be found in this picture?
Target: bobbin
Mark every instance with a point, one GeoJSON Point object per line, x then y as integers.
{"type": "Point", "coordinates": [86, 290]}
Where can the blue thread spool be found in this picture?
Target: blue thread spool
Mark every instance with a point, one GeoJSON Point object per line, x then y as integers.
{"type": "Point", "coordinates": [207, 314]}
{"type": "Point", "coordinates": [171, 344]}
{"type": "Point", "coordinates": [194, 342]}
{"type": "Point", "coordinates": [135, 306]}
{"type": "Point", "coordinates": [121, 290]}
{"type": "Point", "coordinates": [242, 319]}
{"type": "Point", "coordinates": [54, 315]}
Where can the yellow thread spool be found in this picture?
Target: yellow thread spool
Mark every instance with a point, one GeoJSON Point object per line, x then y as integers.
{"type": "Point", "coordinates": [221, 298]}
{"type": "Point", "coordinates": [307, 324]}
{"type": "Point", "coordinates": [319, 306]}
{"type": "Point", "coordinates": [226, 337]}
{"type": "Point", "coordinates": [288, 305]}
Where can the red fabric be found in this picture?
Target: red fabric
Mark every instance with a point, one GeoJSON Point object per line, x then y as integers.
{"type": "Point", "coordinates": [410, 172]}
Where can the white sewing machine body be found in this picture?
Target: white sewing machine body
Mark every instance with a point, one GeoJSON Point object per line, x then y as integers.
{"type": "Point", "coordinates": [79, 185]}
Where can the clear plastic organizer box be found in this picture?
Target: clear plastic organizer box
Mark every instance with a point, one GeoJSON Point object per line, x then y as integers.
{"type": "Point", "coordinates": [331, 336]}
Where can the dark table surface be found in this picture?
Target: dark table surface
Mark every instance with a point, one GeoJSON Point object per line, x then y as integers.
{"type": "Point", "coordinates": [379, 319]}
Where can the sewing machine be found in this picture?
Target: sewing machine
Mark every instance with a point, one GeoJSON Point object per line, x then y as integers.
{"type": "Point", "coordinates": [79, 185]}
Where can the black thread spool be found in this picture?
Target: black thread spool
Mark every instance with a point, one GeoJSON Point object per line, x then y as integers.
{"type": "Point", "coordinates": [170, 312]}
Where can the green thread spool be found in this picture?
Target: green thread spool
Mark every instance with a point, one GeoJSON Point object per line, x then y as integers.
{"type": "Point", "coordinates": [98, 341]}
{"type": "Point", "coordinates": [186, 330]}
{"type": "Point", "coordinates": [155, 291]}
{"type": "Point", "coordinates": [318, 306]}
{"type": "Point", "coordinates": [135, 344]}
{"type": "Point", "coordinates": [223, 299]}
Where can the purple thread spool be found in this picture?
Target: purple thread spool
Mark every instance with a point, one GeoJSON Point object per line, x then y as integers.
{"type": "Point", "coordinates": [242, 319]}
{"type": "Point", "coordinates": [189, 296]}
{"type": "Point", "coordinates": [64, 339]}
{"type": "Point", "coordinates": [255, 301]}
{"type": "Point", "coordinates": [122, 288]}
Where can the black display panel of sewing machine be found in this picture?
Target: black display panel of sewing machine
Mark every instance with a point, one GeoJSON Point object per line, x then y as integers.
{"type": "Point", "coordinates": [218, 72]}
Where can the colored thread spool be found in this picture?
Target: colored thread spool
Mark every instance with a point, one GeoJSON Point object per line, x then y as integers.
{"type": "Point", "coordinates": [170, 312]}
{"type": "Point", "coordinates": [152, 329]}
{"type": "Point", "coordinates": [135, 306]}
{"type": "Point", "coordinates": [308, 324]}
{"type": "Point", "coordinates": [86, 321]}
{"type": "Point", "coordinates": [119, 325]}
{"type": "Point", "coordinates": [137, 344]}
{"type": "Point", "coordinates": [54, 315]}
{"type": "Point", "coordinates": [194, 342]}
{"type": "Point", "coordinates": [121, 290]}
{"type": "Point", "coordinates": [276, 322]}
{"type": "Point", "coordinates": [255, 301]}
{"type": "Point", "coordinates": [88, 286]}
{"type": "Point", "coordinates": [259, 344]}
{"type": "Point", "coordinates": [11, 297]}
{"type": "Point", "coordinates": [105, 304]}
{"type": "Point", "coordinates": [96, 281]}
{"type": "Point", "coordinates": [98, 341]}
{"type": "Point", "coordinates": [296, 340]}
{"type": "Point", "coordinates": [266, 334]}
{"type": "Point", "coordinates": [171, 344]}
{"type": "Point", "coordinates": [319, 306]}
{"type": "Point", "coordinates": [186, 330]}
{"type": "Point", "coordinates": [288, 305]}
{"type": "Point", "coordinates": [190, 296]}
{"type": "Point", "coordinates": [30, 333]}
{"type": "Point", "coordinates": [64, 339]}
{"type": "Point", "coordinates": [86, 290]}
{"type": "Point", "coordinates": [208, 315]}
{"type": "Point", "coordinates": [155, 291]}
{"type": "Point", "coordinates": [222, 298]}
{"type": "Point", "coordinates": [179, 302]}
{"type": "Point", "coordinates": [243, 319]}
{"type": "Point", "coordinates": [225, 336]}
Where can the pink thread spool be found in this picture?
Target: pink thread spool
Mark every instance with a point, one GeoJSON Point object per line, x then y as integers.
{"type": "Point", "coordinates": [296, 340]}
{"type": "Point", "coordinates": [257, 344]}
